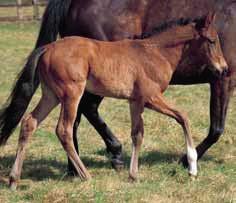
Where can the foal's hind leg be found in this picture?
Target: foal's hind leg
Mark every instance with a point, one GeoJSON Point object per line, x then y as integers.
{"type": "Point", "coordinates": [28, 127]}
{"type": "Point", "coordinates": [65, 132]}
{"type": "Point", "coordinates": [89, 104]}
{"type": "Point", "coordinates": [136, 110]}
{"type": "Point", "coordinates": [158, 103]}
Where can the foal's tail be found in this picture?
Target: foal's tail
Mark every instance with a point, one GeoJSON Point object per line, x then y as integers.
{"type": "Point", "coordinates": [28, 80]}
{"type": "Point", "coordinates": [53, 20]}
{"type": "Point", "coordinates": [20, 97]}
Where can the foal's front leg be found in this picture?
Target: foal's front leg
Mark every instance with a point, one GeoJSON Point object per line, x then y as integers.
{"type": "Point", "coordinates": [158, 103]}
{"type": "Point", "coordinates": [89, 107]}
{"type": "Point", "coordinates": [220, 96]}
{"type": "Point", "coordinates": [136, 110]}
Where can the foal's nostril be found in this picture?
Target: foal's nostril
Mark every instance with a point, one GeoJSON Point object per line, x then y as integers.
{"type": "Point", "coordinates": [225, 72]}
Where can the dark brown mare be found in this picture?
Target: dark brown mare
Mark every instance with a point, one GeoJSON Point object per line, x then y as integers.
{"type": "Point", "coordinates": [136, 70]}
{"type": "Point", "coordinates": [114, 20]}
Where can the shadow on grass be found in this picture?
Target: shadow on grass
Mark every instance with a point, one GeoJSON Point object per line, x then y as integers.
{"type": "Point", "coordinates": [153, 157]}
{"type": "Point", "coordinates": [43, 169]}
{"type": "Point", "coordinates": [37, 169]}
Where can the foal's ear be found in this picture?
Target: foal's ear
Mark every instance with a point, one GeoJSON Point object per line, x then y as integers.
{"type": "Point", "coordinates": [210, 19]}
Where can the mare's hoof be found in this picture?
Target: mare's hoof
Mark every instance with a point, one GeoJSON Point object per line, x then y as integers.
{"type": "Point", "coordinates": [184, 161]}
{"type": "Point", "coordinates": [117, 164]}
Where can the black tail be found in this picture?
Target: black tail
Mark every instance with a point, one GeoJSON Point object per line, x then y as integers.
{"type": "Point", "coordinates": [20, 97]}
{"type": "Point", "coordinates": [28, 80]}
{"type": "Point", "coordinates": [53, 21]}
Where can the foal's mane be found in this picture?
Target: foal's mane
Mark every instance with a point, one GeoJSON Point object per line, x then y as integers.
{"type": "Point", "coordinates": [170, 24]}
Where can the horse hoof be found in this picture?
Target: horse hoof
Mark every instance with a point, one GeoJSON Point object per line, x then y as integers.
{"type": "Point", "coordinates": [88, 177]}
{"type": "Point", "coordinates": [184, 161]}
{"type": "Point", "coordinates": [13, 185]}
{"type": "Point", "coordinates": [192, 177]}
{"type": "Point", "coordinates": [72, 173]}
{"type": "Point", "coordinates": [132, 179]}
{"type": "Point", "coordinates": [117, 164]}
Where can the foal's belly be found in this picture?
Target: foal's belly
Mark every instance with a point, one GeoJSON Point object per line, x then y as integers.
{"type": "Point", "coordinates": [109, 87]}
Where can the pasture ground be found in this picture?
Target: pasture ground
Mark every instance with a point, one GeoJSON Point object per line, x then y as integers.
{"type": "Point", "coordinates": [161, 179]}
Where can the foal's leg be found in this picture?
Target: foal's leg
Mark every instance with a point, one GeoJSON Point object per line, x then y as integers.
{"type": "Point", "coordinates": [28, 127]}
{"type": "Point", "coordinates": [71, 169]}
{"type": "Point", "coordinates": [90, 110]}
{"type": "Point", "coordinates": [136, 110]}
{"type": "Point", "coordinates": [220, 95]}
{"type": "Point", "coordinates": [89, 107]}
{"type": "Point", "coordinates": [158, 103]}
{"type": "Point", "coordinates": [65, 133]}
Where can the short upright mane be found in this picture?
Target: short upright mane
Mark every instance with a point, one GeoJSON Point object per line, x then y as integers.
{"type": "Point", "coordinates": [170, 24]}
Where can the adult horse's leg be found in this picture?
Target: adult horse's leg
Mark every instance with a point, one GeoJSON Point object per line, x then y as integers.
{"type": "Point", "coordinates": [90, 110]}
{"type": "Point", "coordinates": [221, 90]}
{"type": "Point", "coordinates": [220, 95]}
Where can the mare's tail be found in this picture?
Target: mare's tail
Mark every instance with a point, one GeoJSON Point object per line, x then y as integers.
{"type": "Point", "coordinates": [20, 97]}
{"type": "Point", "coordinates": [28, 80]}
{"type": "Point", "coordinates": [53, 21]}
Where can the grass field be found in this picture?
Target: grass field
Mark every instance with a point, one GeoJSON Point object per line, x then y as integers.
{"type": "Point", "coordinates": [161, 179]}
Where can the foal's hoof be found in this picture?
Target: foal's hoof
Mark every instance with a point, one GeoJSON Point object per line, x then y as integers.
{"type": "Point", "coordinates": [132, 179]}
{"type": "Point", "coordinates": [72, 173]}
{"type": "Point", "coordinates": [192, 177]}
{"type": "Point", "coordinates": [12, 185]}
{"type": "Point", "coordinates": [184, 161]}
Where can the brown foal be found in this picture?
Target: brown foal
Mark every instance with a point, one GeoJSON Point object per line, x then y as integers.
{"type": "Point", "coordinates": [136, 70]}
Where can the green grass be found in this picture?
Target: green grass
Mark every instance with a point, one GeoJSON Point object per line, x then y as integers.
{"type": "Point", "coordinates": [161, 179]}
{"type": "Point", "coordinates": [14, 1]}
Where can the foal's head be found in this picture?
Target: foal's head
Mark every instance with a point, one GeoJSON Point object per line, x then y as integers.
{"type": "Point", "coordinates": [206, 46]}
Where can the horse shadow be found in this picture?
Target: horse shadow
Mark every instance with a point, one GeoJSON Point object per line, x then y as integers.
{"type": "Point", "coordinates": [154, 157]}
{"type": "Point", "coordinates": [43, 169]}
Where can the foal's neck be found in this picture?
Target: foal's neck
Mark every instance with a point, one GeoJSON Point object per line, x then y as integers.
{"type": "Point", "coordinates": [172, 37]}
{"type": "Point", "coordinates": [171, 43]}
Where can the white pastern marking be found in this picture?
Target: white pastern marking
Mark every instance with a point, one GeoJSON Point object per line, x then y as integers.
{"type": "Point", "coordinates": [192, 160]}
